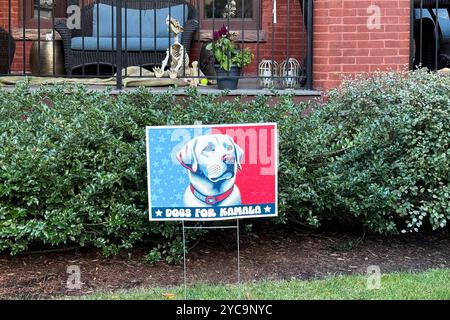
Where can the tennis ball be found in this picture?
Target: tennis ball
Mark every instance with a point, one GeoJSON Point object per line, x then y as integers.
{"type": "Point", "coordinates": [204, 81]}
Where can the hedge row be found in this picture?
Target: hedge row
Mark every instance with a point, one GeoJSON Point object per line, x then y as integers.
{"type": "Point", "coordinates": [73, 171]}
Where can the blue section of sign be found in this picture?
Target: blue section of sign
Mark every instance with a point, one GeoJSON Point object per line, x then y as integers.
{"type": "Point", "coordinates": [168, 182]}
{"type": "Point", "coordinates": [213, 213]}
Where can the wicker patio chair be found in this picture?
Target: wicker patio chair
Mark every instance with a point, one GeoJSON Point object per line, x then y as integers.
{"type": "Point", "coordinates": [7, 50]}
{"type": "Point", "coordinates": [444, 57]}
{"type": "Point", "coordinates": [75, 58]}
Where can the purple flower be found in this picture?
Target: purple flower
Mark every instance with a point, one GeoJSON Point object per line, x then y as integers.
{"type": "Point", "coordinates": [216, 35]}
{"type": "Point", "coordinates": [223, 31]}
{"type": "Point", "coordinates": [220, 33]}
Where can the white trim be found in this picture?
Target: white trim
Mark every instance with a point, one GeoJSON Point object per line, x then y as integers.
{"type": "Point", "coordinates": [214, 125]}
{"type": "Point", "coordinates": [149, 194]}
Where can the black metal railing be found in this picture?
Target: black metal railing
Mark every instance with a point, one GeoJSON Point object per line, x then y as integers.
{"type": "Point", "coordinates": [89, 42]}
{"type": "Point", "coordinates": [430, 34]}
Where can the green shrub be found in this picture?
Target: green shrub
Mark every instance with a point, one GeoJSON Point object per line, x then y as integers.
{"type": "Point", "coordinates": [377, 153]}
{"type": "Point", "coordinates": [73, 170]}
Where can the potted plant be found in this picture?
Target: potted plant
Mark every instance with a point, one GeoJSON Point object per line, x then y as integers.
{"type": "Point", "coordinates": [229, 58]}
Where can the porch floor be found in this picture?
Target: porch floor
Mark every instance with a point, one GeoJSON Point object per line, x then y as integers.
{"type": "Point", "coordinates": [247, 87]}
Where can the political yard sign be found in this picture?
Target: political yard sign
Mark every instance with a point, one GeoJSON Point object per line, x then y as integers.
{"type": "Point", "coordinates": [212, 172]}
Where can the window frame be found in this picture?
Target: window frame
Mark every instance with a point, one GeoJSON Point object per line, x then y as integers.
{"type": "Point", "coordinates": [233, 23]}
{"type": "Point", "coordinates": [31, 21]}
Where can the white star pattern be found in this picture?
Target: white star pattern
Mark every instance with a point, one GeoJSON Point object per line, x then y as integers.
{"type": "Point", "coordinates": [168, 179]}
{"type": "Point", "coordinates": [158, 213]}
{"type": "Point", "coordinates": [267, 209]}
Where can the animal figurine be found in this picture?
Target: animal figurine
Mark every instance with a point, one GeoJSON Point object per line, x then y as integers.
{"type": "Point", "coordinates": [175, 53]}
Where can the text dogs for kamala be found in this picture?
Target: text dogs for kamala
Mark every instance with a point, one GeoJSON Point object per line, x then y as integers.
{"type": "Point", "coordinates": [213, 162]}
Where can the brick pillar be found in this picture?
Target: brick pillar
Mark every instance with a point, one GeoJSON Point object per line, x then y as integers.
{"type": "Point", "coordinates": [347, 40]}
{"type": "Point", "coordinates": [4, 13]}
{"type": "Point", "coordinates": [17, 65]}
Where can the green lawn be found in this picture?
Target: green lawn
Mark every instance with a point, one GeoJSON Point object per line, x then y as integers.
{"type": "Point", "coordinates": [432, 284]}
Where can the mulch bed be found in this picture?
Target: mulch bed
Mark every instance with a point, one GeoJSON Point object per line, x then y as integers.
{"type": "Point", "coordinates": [276, 253]}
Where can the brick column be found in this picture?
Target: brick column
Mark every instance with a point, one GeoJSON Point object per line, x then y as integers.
{"type": "Point", "coordinates": [345, 44]}
{"type": "Point", "coordinates": [15, 15]}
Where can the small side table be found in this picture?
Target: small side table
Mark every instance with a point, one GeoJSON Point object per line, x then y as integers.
{"type": "Point", "coordinates": [47, 56]}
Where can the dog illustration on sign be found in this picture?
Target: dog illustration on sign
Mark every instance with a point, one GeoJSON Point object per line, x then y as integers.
{"type": "Point", "coordinates": [213, 162]}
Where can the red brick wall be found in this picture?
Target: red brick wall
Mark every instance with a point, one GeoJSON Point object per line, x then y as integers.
{"type": "Point", "coordinates": [344, 45]}
{"type": "Point", "coordinates": [17, 65]}
{"type": "Point", "coordinates": [297, 43]}
{"type": "Point", "coordinates": [4, 13]}
{"type": "Point", "coordinates": [15, 23]}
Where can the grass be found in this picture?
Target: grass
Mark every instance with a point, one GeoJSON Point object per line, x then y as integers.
{"type": "Point", "coordinates": [432, 284]}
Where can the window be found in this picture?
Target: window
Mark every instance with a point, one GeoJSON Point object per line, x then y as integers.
{"type": "Point", "coordinates": [238, 13]}
{"type": "Point", "coordinates": [45, 9]}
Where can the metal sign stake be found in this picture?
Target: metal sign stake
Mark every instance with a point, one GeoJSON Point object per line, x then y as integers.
{"type": "Point", "coordinates": [238, 261]}
{"type": "Point", "coordinates": [238, 253]}
{"type": "Point", "coordinates": [184, 263]}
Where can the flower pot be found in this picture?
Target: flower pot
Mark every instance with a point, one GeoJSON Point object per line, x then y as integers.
{"type": "Point", "coordinates": [47, 57]}
{"type": "Point", "coordinates": [227, 79]}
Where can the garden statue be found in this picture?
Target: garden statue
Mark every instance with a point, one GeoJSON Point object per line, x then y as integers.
{"type": "Point", "coordinates": [178, 58]}
{"type": "Point", "coordinates": [175, 53]}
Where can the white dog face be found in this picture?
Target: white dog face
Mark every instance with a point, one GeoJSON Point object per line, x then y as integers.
{"type": "Point", "coordinates": [215, 157]}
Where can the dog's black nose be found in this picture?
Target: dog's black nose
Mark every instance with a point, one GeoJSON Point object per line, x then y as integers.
{"type": "Point", "coordinates": [228, 158]}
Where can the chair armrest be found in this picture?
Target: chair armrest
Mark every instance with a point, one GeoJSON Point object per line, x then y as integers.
{"type": "Point", "coordinates": [66, 37]}
{"type": "Point", "coordinates": [65, 33]}
{"type": "Point", "coordinates": [190, 28]}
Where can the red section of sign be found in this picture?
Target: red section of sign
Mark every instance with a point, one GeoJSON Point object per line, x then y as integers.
{"type": "Point", "coordinates": [256, 180]}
